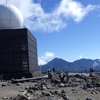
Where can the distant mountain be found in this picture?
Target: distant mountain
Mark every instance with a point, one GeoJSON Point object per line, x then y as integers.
{"type": "Point", "coordinates": [76, 66]}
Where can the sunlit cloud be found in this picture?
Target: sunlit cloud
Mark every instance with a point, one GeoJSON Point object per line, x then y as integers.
{"type": "Point", "coordinates": [73, 9]}
{"type": "Point", "coordinates": [45, 58]}
{"type": "Point", "coordinates": [35, 18]}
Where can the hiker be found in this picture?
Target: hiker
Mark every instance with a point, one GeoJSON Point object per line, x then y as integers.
{"type": "Point", "coordinates": [62, 75]}
{"type": "Point", "coordinates": [49, 74]}
{"type": "Point", "coordinates": [53, 70]}
{"type": "Point", "coordinates": [91, 71]}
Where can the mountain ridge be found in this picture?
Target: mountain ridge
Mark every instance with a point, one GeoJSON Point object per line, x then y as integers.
{"type": "Point", "coordinates": [80, 65]}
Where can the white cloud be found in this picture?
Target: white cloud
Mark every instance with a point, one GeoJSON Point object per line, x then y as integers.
{"type": "Point", "coordinates": [41, 61]}
{"type": "Point", "coordinates": [45, 58]}
{"type": "Point", "coordinates": [73, 9]}
{"type": "Point", "coordinates": [80, 56]}
{"type": "Point", "coordinates": [35, 17]}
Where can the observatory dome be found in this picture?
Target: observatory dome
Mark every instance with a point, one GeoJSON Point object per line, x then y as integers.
{"type": "Point", "coordinates": [10, 17]}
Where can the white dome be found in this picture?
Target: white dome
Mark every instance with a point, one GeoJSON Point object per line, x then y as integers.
{"type": "Point", "coordinates": [10, 17]}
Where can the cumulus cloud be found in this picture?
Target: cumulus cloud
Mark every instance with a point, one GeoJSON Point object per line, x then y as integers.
{"type": "Point", "coordinates": [73, 9]}
{"type": "Point", "coordinates": [45, 58]}
{"type": "Point", "coordinates": [35, 18]}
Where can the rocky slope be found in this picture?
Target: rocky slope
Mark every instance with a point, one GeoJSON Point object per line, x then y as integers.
{"type": "Point", "coordinates": [78, 87]}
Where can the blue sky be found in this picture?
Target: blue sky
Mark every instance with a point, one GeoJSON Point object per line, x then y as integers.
{"type": "Point", "coordinates": [67, 29]}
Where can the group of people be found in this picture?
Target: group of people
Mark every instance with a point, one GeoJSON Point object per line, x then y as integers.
{"type": "Point", "coordinates": [62, 74]}
{"type": "Point", "coordinates": [91, 70]}
{"type": "Point", "coordinates": [50, 72]}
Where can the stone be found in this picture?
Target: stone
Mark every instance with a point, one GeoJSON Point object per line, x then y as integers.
{"type": "Point", "coordinates": [63, 91]}
{"type": "Point", "coordinates": [89, 99]}
{"type": "Point", "coordinates": [46, 94]}
{"type": "Point", "coordinates": [34, 88]}
{"type": "Point", "coordinates": [61, 85]}
{"type": "Point", "coordinates": [21, 97]}
{"type": "Point", "coordinates": [18, 84]}
{"type": "Point", "coordinates": [57, 92]}
{"type": "Point", "coordinates": [49, 86]}
{"type": "Point", "coordinates": [55, 81]}
{"type": "Point", "coordinates": [44, 87]}
{"type": "Point", "coordinates": [65, 98]}
{"type": "Point", "coordinates": [89, 85]}
{"type": "Point", "coordinates": [4, 85]}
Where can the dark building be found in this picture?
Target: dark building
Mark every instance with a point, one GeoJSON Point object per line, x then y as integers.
{"type": "Point", "coordinates": [18, 52]}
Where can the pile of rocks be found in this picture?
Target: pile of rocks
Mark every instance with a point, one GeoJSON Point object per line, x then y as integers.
{"type": "Point", "coordinates": [53, 89]}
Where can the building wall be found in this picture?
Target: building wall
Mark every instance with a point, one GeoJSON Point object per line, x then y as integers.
{"type": "Point", "coordinates": [32, 52]}
{"type": "Point", "coordinates": [17, 52]}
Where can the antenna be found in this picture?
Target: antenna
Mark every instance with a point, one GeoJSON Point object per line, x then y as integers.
{"type": "Point", "coordinates": [6, 1]}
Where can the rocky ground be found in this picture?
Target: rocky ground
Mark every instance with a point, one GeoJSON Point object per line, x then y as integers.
{"type": "Point", "coordinates": [79, 87]}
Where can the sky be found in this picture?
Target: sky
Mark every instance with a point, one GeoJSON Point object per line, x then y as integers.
{"type": "Point", "coordinates": [66, 29]}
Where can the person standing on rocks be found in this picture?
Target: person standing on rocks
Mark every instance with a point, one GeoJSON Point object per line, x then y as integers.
{"type": "Point", "coordinates": [62, 75]}
{"type": "Point", "coordinates": [53, 70]}
{"type": "Point", "coordinates": [91, 71]}
{"type": "Point", "coordinates": [49, 74]}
